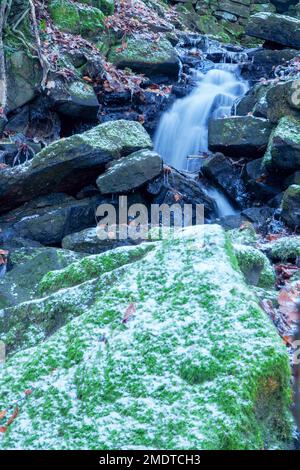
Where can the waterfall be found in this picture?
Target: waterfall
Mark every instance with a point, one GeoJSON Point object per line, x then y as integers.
{"type": "Point", "coordinates": [183, 130]}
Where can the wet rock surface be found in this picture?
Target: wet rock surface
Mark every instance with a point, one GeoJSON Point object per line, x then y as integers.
{"type": "Point", "coordinates": [280, 29]}
{"type": "Point", "coordinates": [85, 137]}
{"type": "Point", "coordinates": [239, 136]}
{"type": "Point", "coordinates": [130, 172]}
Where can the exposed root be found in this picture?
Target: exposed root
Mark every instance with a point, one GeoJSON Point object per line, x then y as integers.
{"type": "Point", "coordinates": [42, 58]}
{"type": "Point", "coordinates": [4, 10]}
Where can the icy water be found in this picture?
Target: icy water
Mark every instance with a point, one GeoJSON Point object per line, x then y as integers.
{"type": "Point", "coordinates": [183, 130]}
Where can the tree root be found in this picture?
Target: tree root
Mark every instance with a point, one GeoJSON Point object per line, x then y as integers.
{"type": "Point", "coordinates": [3, 81]}
{"type": "Point", "coordinates": [42, 58]}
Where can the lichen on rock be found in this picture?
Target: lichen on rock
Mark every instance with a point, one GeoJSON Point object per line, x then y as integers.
{"type": "Point", "coordinates": [175, 354]}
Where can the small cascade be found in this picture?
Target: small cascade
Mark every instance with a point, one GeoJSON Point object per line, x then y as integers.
{"type": "Point", "coordinates": [224, 206]}
{"type": "Point", "coordinates": [182, 134]}
{"type": "Point", "coordinates": [183, 130]}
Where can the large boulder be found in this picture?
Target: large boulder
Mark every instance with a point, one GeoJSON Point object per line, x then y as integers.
{"type": "Point", "coordinates": [183, 359]}
{"type": "Point", "coordinates": [280, 29]}
{"type": "Point", "coordinates": [24, 75]}
{"type": "Point", "coordinates": [148, 57]}
{"type": "Point", "coordinates": [74, 99]}
{"type": "Point", "coordinates": [283, 5]}
{"type": "Point", "coordinates": [77, 18]}
{"type": "Point", "coordinates": [70, 162]}
{"type": "Point", "coordinates": [291, 206]}
{"type": "Point", "coordinates": [283, 99]}
{"type": "Point", "coordinates": [242, 136]}
{"type": "Point", "coordinates": [284, 146]}
{"type": "Point", "coordinates": [130, 172]}
{"type": "Point", "coordinates": [49, 219]}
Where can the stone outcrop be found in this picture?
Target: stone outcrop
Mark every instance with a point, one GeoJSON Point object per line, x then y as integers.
{"type": "Point", "coordinates": [279, 29]}
{"type": "Point", "coordinates": [144, 56]}
{"type": "Point", "coordinates": [284, 146]}
{"type": "Point", "coordinates": [130, 172]}
{"type": "Point", "coordinates": [291, 206]}
{"type": "Point", "coordinates": [196, 327]}
{"type": "Point", "coordinates": [245, 136]}
{"type": "Point", "coordinates": [68, 162]}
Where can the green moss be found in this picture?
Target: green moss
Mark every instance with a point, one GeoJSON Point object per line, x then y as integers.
{"type": "Point", "coordinates": [245, 235]}
{"type": "Point", "coordinates": [106, 6]}
{"type": "Point", "coordinates": [199, 368]}
{"type": "Point", "coordinates": [91, 267]}
{"type": "Point", "coordinates": [285, 248]}
{"type": "Point", "coordinates": [285, 136]}
{"type": "Point", "coordinates": [142, 51]}
{"type": "Point", "coordinates": [113, 139]}
{"type": "Point", "coordinates": [255, 266]}
{"type": "Point", "coordinates": [292, 192]}
{"type": "Point", "coordinates": [76, 18]}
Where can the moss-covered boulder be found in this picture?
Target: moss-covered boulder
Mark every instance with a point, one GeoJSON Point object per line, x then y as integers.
{"type": "Point", "coordinates": [71, 161]}
{"type": "Point", "coordinates": [148, 57]}
{"type": "Point", "coordinates": [174, 353]}
{"type": "Point", "coordinates": [24, 75]}
{"type": "Point", "coordinates": [106, 6]}
{"type": "Point", "coordinates": [283, 150]}
{"type": "Point", "coordinates": [284, 249]}
{"type": "Point", "coordinates": [28, 266]}
{"type": "Point", "coordinates": [243, 136]}
{"type": "Point", "coordinates": [76, 99]}
{"type": "Point", "coordinates": [291, 206]}
{"type": "Point", "coordinates": [28, 323]}
{"type": "Point", "coordinates": [77, 18]}
{"type": "Point", "coordinates": [255, 266]}
{"type": "Point", "coordinates": [281, 29]}
{"type": "Point", "coordinates": [130, 172]}
{"type": "Point", "coordinates": [283, 99]}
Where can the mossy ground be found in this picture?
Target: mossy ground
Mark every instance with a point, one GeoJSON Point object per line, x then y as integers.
{"type": "Point", "coordinates": [198, 365]}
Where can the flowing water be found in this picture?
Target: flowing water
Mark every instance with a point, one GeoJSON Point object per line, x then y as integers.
{"type": "Point", "coordinates": [183, 130]}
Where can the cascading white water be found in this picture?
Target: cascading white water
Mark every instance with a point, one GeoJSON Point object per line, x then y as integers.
{"type": "Point", "coordinates": [183, 130]}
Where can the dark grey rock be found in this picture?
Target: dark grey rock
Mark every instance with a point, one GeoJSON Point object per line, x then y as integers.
{"type": "Point", "coordinates": [70, 163]}
{"type": "Point", "coordinates": [280, 29]}
{"type": "Point", "coordinates": [130, 172]}
{"type": "Point", "coordinates": [242, 136]}
{"type": "Point", "coordinates": [291, 206]}
{"type": "Point", "coordinates": [227, 176]}
{"type": "Point", "coordinates": [48, 220]}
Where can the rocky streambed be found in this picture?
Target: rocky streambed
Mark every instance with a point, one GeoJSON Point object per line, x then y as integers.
{"type": "Point", "coordinates": [170, 343]}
